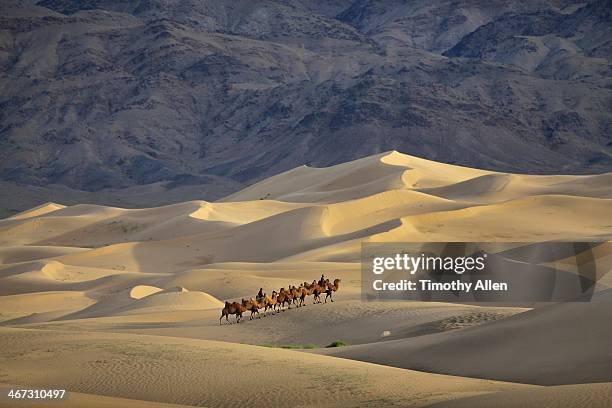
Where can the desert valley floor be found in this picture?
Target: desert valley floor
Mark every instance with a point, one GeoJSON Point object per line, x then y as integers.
{"type": "Point", "coordinates": [121, 306]}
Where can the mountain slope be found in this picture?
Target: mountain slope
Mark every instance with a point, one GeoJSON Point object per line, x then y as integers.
{"type": "Point", "coordinates": [165, 101]}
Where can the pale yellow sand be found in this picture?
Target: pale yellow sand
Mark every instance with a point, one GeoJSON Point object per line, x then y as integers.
{"type": "Point", "coordinates": [38, 210]}
{"type": "Point", "coordinates": [15, 306]}
{"type": "Point", "coordinates": [199, 372]}
{"type": "Point", "coordinates": [166, 271]}
{"type": "Point", "coordinates": [16, 254]}
{"type": "Point", "coordinates": [353, 322]}
{"type": "Point", "coordinates": [140, 291]}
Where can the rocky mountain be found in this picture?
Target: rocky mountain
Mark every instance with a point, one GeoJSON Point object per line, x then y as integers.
{"type": "Point", "coordinates": [137, 103]}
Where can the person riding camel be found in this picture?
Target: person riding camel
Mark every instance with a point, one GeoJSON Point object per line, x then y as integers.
{"type": "Point", "coordinates": [260, 295]}
{"type": "Point", "coordinates": [322, 280]}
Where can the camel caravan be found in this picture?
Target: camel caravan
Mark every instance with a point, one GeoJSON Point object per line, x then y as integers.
{"type": "Point", "coordinates": [276, 302]}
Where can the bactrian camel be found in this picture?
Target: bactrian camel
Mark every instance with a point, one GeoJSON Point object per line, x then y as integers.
{"type": "Point", "coordinates": [294, 295]}
{"type": "Point", "coordinates": [233, 308]}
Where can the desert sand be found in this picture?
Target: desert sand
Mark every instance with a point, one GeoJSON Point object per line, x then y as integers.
{"type": "Point", "coordinates": [563, 396]}
{"type": "Point", "coordinates": [122, 306]}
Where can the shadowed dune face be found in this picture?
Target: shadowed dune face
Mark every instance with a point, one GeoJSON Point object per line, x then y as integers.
{"type": "Point", "coordinates": [166, 272]}
{"type": "Point", "coordinates": [570, 340]}
{"type": "Point", "coordinates": [564, 396]}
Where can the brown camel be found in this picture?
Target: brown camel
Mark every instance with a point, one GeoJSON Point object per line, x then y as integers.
{"type": "Point", "coordinates": [311, 288]}
{"type": "Point", "coordinates": [302, 293]}
{"type": "Point", "coordinates": [276, 302]}
{"type": "Point", "coordinates": [288, 297]}
{"type": "Point", "coordinates": [233, 308]}
{"type": "Point", "coordinates": [282, 299]}
{"type": "Point", "coordinates": [291, 296]}
{"type": "Point", "coordinates": [269, 302]}
{"type": "Point", "coordinates": [253, 306]}
{"type": "Point", "coordinates": [316, 291]}
{"type": "Point", "coordinates": [298, 296]}
{"type": "Point", "coordinates": [331, 287]}
{"type": "Point", "coordinates": [294, 295]}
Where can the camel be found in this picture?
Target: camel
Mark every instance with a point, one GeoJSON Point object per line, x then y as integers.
{"type": "Point", "coordinates": [282, 299]}
{"type": "Point", "coordinates": [291, 294]}
{"type": "Point", "coordinates": [269, 302]}
{"type": "Point", "coordinates": [253, 306]}
{"type": "Point", "coordinates": [316, 291]}
{"type": "Point", "coordinates": [311, 288]}
{"type": "Point", "coordinates": [302, 292]}
{"type": "Point", "coordinates": [288, 297]}
{"type": "Point", "coordinates": [294, 295]}
{"type": "Point", "coordinates": [234, 308]}
{"type": "Point", "coordinates": [276, 302]}
{"type": "Point", "coordinates": [331, 287]}
{"type": "Point", "coordinates": [298, 294]}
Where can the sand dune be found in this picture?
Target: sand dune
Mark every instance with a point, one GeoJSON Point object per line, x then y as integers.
{"type": "Point", "coordinates": [598, 259]}
{"type": "Point", "coordinates": [529, 219]}
{"type": "Point", "coordinates": [18, 306]}
{"type": "Point", "coordinates": [129, 299]}
{"type": "Point", "coordinates": [343, 182]}
{"type": "Point", "coordinates": [563, 396]}
{"type": "Point", "coordinates": [42, 276]}
{"type": "Point", "coordinates": [174, 299]}
{"type": "Point", "coordinates": [16, 254]}
{"type": "Point", "coordinates": [37, 211]}
{"type": "Point", "coordinates": [219, 374]}
{"type": "Point", "coordinates": [296, 232]}
{"type": "Point", "coordinates": [95, 226]}
{"type": "Point", "coordinates": [78, 400]}
{"type": "Point", "coordinates": [356, 179]}
{"type": "Point", "coordinates": [43, 229]}
{"type": "Point", "coordinates": [141, 291]}
{"type": "Point", "coordinates": [148, 299]}
{"type": "Point", "coordinates": [497, 187]}
{"type": "Point", "coordinates": [313, 326]}
{"type": "Point", "coordinates": [557, 344]}
{"type": "Point", "coordinates": [287, 233]}
{"type": "Point", "coordinates": [32, 275]}
{"type": "Point", "coordinates": [233, 280]}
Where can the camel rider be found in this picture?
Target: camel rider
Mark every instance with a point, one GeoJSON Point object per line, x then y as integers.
{"type": "Point", "coordinates": [322, 280]}
{"type": "Point", "coordinates": [260, 294]}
